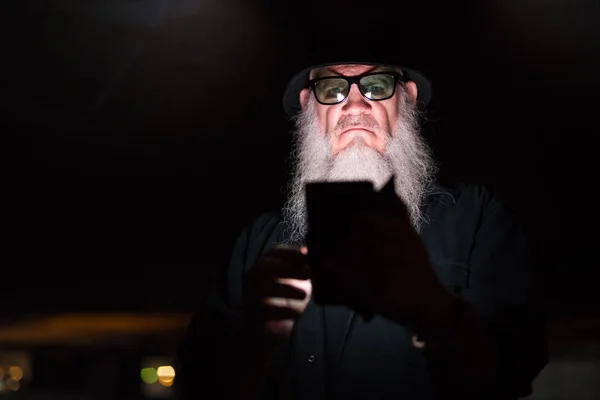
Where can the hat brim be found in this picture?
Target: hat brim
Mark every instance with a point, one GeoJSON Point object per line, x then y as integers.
{"type": "Point", "coordinates": [291, 96]}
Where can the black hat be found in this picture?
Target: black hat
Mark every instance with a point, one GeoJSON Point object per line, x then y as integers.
{"type": "Point", "coordinates": [381, 47]}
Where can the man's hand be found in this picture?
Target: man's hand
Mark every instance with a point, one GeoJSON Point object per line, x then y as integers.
{"type": "Point", "coordinates": [279, 291]}
{"type": "Point", "coordinates": [382, 267]}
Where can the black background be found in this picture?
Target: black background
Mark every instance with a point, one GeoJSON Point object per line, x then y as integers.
{"type": "Point", "coordinates": [140, 136]}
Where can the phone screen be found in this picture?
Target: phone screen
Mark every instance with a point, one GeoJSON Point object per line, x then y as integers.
{"type": "Point", "coordinates": [331, 208]}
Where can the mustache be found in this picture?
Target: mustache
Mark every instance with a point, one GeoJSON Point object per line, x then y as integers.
{"type": "Point", "coordinates": [362, 120]}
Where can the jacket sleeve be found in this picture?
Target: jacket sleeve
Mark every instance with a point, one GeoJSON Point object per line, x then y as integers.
{"type": "Point", "coordinates": [504, 288]}
{"type": "Point", "coordinates": [209, 354]}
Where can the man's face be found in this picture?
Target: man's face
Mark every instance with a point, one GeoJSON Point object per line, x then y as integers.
{"type": "Point", "coordinates": [359, 140]}
{"type": "Point", "coordinates": [357, 118]}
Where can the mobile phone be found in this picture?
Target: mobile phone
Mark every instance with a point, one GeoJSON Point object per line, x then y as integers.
{"type": "Point", "coordinates": [331, 209]}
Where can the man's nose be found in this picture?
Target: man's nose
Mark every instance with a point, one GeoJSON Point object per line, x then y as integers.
{"type": "Point", "coordinates": [356, 103]}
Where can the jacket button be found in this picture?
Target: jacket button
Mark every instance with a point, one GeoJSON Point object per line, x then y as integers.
{"type": "Point", "coordinates": [311, 358]}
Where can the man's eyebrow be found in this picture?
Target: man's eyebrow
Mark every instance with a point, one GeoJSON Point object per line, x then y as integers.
{"type": "Point", "coordinates": [380, 68]}
{"type": "Point", "coordinates": [384, 68]}
{"type": "Point", "coordinates": [318, 73]}
{"type": "Point", "coordinates": [321, 72]}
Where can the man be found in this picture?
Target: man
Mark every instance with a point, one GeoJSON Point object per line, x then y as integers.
{"type": "Point", "coordinates": [436, 298]}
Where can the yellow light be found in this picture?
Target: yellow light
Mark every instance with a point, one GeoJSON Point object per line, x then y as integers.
{"type": "Point", "coordinates": [165, 371]}
{"type": "Point", "coordinates": [166, 375]}
{"type": "Point", "coordinates": [148, 375]}
{"type": "Point", "coordinates": [15, 372]}
{"type": "Point", "coordinates": [166, 381]}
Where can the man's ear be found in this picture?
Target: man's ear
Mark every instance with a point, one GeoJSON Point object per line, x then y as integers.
{"type": "Point", "coordinates": [304, 97]}
{"type": "Point", "coordinates": [411, 90]}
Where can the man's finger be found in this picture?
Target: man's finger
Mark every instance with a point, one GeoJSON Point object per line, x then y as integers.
{"type": "Point", "coordinates": [284, 290]}
{"type": "Point", "coordinates": [283, 302]}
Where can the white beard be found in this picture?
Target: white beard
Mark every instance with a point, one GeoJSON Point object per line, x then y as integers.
{"type": "Point", "coordinates": [407, 156]}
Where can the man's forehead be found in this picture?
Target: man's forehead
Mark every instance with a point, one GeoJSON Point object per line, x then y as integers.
{"type": "Point", "coordinates": [348, 70]}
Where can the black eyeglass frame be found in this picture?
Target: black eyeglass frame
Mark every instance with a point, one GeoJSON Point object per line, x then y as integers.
{"type": "Point", "coordinates": [398, 79]}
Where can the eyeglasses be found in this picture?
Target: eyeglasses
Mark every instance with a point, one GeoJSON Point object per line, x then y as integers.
{"type": "Point", "coordinates": [375, 86]}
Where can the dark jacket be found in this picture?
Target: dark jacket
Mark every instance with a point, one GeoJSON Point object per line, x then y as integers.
{"type": "Point", "coordinates": [479, 252]}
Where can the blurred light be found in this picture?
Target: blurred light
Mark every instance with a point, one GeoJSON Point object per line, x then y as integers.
{"type": "Point", "coordinates": [12, 384]}
{"type": "Point", "coordinates": [15, 372]}
{"type": "Point", "coordinates": [166, 375]}
{"type": "Point", "coordinates": [166, 371]}
{"type": "Point", "coordinates": [1, 372]}
{"type": "Point", "coordinates": [149, 375]}
{"type": "Point", "coordinates": [166, 382]}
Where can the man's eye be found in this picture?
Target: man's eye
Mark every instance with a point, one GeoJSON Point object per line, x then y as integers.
{"type": "Point", "coordinates": [375, 89]}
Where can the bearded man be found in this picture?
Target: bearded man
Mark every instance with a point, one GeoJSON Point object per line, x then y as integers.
{"type": "Point", "coordinates": [447, 280]}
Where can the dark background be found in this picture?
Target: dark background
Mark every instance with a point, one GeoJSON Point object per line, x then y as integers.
{"type": "Point", "coordinates": [140, 136]}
